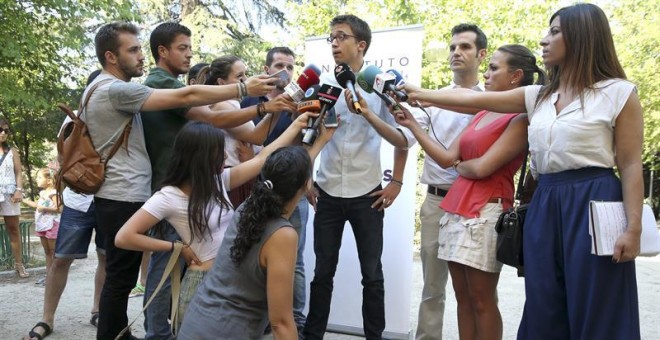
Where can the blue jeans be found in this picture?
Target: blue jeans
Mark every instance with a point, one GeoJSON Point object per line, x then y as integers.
{"type": "Point", "coordinates": [367, 224]}
{"type": "Point", "coordinates": [299, 221]}
{"type": "Point", "coordinates": [156, 325]}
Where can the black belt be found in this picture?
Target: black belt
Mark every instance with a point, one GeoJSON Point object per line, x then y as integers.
{"type": "Point", "coordinates": [437, 191]}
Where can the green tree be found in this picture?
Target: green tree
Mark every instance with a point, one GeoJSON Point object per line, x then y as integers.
{"type": "Point", "coordinates": [219, 28]}
{"type": "Point", "coordinates": [46, 43]}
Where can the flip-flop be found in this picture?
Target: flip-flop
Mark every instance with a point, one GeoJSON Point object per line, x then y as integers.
{"type": "Point", "coordinates": [46, 328]}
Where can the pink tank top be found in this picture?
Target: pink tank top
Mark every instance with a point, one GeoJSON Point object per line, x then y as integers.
{"type": "Point", "coordinates": [467, 196]}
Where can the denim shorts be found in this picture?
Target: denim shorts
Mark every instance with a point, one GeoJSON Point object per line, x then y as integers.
{"type": "Point", "coordinates": [75, 233]}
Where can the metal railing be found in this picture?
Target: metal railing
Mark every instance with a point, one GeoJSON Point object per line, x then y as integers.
{"type": "Point", "coordinates": [6, 256]}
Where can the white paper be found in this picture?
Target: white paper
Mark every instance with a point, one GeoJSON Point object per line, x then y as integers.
{"type": "Point", "coordinates": [607, 221]}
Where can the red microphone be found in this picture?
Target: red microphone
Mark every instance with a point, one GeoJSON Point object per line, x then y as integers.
{"type": "Point", "coordinates": [308, 77]}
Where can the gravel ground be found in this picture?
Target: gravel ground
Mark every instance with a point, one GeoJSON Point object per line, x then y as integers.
{"type": "Point", "coordinates": [21, 303]}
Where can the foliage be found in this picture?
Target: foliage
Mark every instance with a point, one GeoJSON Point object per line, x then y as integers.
{"type": "Point", "coordinates": [219, 28]}
{"type": "Point", "coordinates": [45, 46]}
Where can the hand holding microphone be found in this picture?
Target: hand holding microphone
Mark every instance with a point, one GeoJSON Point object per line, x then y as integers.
{"type": "Point", "coordinates": [328, 96]}
{"type": "Point", "coordinates": [281, 103]}
{"type": "Point", "coordinates": [259, 85]}
{"type": "Point", "coordinates": [350, 102]}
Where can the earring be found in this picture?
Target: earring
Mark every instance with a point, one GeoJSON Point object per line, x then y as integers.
{"type": "Point", "coordinates": [512, 82]}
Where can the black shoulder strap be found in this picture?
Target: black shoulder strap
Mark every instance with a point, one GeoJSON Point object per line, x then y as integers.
{"type": "Point", "coordinates": [521, 179]}
{"type": "Point", "coordinates": [4, 155]}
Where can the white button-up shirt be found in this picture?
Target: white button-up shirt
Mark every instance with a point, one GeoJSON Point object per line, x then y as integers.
{"type": "Point", "coordinates": [443, 126]}
{"type": "Point", "coordinates": [576, 137]}
{"type": "Point", "coordinates": [350, 162]}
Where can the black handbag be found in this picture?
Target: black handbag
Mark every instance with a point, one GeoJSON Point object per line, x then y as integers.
{"type": "Point", "coordinates": [509, 228]}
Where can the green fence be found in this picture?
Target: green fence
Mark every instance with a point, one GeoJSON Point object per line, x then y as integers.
{"type": "Point", "coordinates": [6, 256]}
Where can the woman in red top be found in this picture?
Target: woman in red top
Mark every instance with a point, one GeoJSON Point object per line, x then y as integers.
{"type": "Point", "coordinates": [486, 156]}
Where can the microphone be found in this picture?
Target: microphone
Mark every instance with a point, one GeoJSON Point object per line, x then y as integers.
{"type": "Point", "coordinates": [346, 79]}
{"type": "Point", "coordinates": [328, 96]}
{"type": "Point", "coordinates": [366, 80]}
{"type": "Point", "coordinates": [398, 80]}
{"type": "Point", "coordinates": [308, 77]}
{"type": "Point", "coordinates": [310, 103]}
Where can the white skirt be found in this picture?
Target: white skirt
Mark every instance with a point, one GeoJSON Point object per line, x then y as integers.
{"type": "Point", "coordinates": [471, 241]}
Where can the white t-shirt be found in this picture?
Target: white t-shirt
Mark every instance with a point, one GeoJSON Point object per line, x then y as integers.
{"type": "Point", "coordinates": [577, 137]}
{"type": "Point", "coordinates": [171, 204]}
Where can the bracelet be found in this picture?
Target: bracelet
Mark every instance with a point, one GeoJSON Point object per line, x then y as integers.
{"type": "Point", "coordinates": [242, 90]}
{"type": "Point", "coordinates": [456, 163]}
{"type": "Point", "coordinates": [172, 250]}
{"type": "Point", "coordinates": [261, 110]}
{"type": "Point", "coordinates": [400, 183]}
{"type": "Point", "coordinates": [19, 189]}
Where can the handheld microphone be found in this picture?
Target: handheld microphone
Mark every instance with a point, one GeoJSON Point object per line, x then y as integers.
{"type": "Point", "coordinates": [308, 77]}
{"type": "Point", "coordinates": [310, 103]}
{"type": "Point", "coordinates": [346, 79]}
{"type": "Point", "coordinates": [366, 80]}
{"type": "Point", "coordinates": [398, 80]}
{"type": "Point", "coordinates": [328, 96]}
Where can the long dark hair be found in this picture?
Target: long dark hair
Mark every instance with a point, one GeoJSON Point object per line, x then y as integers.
{"type": "Point", "coordinates": [285, 172]}
{"type": "Point", "coordinates": [590, 53]}
{"type": "Point", "coordinates": [521, 58]}
{"type": "Point", "coordinates": [197, 158]}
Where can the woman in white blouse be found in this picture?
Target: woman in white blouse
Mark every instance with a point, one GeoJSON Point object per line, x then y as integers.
{"type": "Point", "coordinates": [587, 121]}
{"type": "Point", "coordinates": [194, 199]}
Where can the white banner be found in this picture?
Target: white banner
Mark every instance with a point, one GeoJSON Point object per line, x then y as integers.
{"type": "Point", "coordinates": [401, 49]}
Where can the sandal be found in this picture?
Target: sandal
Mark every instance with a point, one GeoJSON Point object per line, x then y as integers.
{"type": "Point", "coordinates": [20, 270]}
{"type": "Point", "coordinates": [46, 328]}
{"type": "Point", "coordinates": [95, 319]}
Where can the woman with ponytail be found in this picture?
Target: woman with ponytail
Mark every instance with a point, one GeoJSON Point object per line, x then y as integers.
{"type": "Point", "coordinates": [584, 123]}
{"type": "Point", "coordinates": [245, 140]}
{"type": "Point", "coordinates": [486, 156]}
{"type": "Point", "coordinates": [193, 199]}
{"type": "Point", "coordinates": [251, 283]}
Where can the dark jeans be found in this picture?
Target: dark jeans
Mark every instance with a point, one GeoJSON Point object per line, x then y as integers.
{"type": "Point", "coordinates": [156, 324]}
{"type": "Point", "coordinates": [367, 224]}
{"type": "Point", "coordinates": [122, 267]}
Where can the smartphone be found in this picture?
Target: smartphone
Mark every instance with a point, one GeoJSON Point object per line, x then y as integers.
{"type": "Point", "coordinates": [331, 118]}
{"type": "Point", "coordinates": [283, 78]}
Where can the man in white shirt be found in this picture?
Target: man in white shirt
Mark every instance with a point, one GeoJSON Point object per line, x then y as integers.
{"type": "Point", "coordinates": [349, 188]}
{"type": "Point", "coordinates": [467, 51]}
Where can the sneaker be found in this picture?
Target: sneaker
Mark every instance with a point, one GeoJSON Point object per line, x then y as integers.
{"type": "Point", "coordinates": [137, 291]}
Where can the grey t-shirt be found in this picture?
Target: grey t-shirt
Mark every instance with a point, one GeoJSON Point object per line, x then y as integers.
{"type": "Point", "coordinates": [128, 174]}
{"type": "Point", "coordinates": [231, 303]}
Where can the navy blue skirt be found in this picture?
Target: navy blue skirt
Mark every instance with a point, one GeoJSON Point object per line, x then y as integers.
{"type": "Point", "coordinates": [571, 294]}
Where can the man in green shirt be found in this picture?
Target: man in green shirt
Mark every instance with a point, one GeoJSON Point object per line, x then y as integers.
{"type": "Point", "coordinates": [171, 48]}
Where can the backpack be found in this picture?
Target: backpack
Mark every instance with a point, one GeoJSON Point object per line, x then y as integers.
{"type": "Point", "coordinates": [82, 168]}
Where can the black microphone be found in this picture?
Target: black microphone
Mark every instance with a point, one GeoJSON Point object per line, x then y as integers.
{"type": "Point", "coordinates": [328, 96]}
{"type": "Point", "coordinates": [398, 80]}
{"type": "Point", "coordinates": [346, 79]}
{"type": "Point", "coordinates": [310, 103]}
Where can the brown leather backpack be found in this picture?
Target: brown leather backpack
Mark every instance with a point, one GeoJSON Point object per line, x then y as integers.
{"type": "Point", "coordinates": [82, 168]}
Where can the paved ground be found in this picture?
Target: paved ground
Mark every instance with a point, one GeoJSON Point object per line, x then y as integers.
{"type": "Point", "coordinates": [21, 303]}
